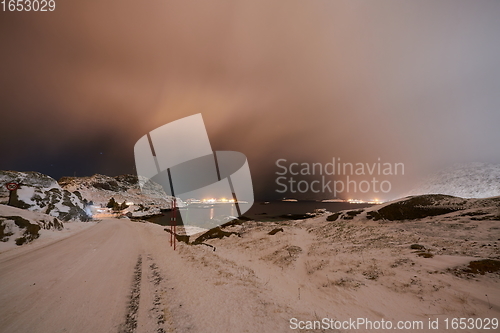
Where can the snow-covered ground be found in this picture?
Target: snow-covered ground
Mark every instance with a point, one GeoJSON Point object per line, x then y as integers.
{"type": "Point", "coordinates": [123, 276]}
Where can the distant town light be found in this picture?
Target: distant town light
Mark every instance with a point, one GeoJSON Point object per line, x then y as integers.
{"type": "Point", "coordinates": [357, 201]}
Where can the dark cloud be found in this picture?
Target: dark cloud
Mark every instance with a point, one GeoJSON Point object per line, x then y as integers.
{"type": "Point", "coordinates": [412, 82]}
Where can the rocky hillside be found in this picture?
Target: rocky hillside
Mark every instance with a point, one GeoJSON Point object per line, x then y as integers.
{"type": "Point", "coordinates": [99, 189]}
{"type": "Point", "coordinates": [473, 180]}
{"type": "Point", "coordinates": [41, 193]}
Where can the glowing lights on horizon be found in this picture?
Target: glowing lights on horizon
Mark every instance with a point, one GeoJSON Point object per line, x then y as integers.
{"type": "Point", "coordinates": [375, 201]}
{"type": "Point", "coordinates": [372, 202]}
{"type": "Point", "coordinates": [214, 200]}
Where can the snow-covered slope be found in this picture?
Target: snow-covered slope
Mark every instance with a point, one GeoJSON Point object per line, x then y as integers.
{"type": "Point", "coordinates": [23, 226]}
{"type": "Point", "coordinates": [41, 193]}
{"type": "Point", "coordinates": [426, 206]}
{"type": "Point", "coordinates": [474, 180]}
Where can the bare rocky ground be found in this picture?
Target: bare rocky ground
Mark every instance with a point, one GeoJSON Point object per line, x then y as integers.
{"type": "Point", "coordinates": [123, 276]}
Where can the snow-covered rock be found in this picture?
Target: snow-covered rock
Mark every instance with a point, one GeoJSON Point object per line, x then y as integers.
{"type": "Point", "coordinates": [22, 226]}
{"type": "Point", "coordinates": [41, 193]}
{"type": "Point", "coordinates": [472, 180]}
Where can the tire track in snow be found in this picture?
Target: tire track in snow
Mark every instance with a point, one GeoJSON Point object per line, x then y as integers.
{"type": "Point", "coordinates": [159, 311]}
{"type": "Point", "coordinates": [130, 324]}
{"type": "Point", "coordinates": [147, 310]}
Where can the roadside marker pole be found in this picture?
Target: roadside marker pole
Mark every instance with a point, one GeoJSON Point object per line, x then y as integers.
{"type": "Point", "coordinates": [172, 223]}
{"type": "Point", "coordinates": [175, 221]}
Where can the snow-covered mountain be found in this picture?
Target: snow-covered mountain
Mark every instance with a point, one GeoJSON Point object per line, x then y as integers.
{"type": "Point", "coordinates": [99, 189]}
{"type": "Point", "coordinates": [41, 193]}
{"type": "Point", "coordinates": [472, 180]}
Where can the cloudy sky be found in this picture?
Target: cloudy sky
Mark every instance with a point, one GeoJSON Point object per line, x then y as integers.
{"type": "Point", "coordinates": [415, 82]}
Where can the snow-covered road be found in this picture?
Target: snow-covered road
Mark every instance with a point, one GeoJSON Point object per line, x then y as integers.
{"type": "Point", "coordinates": [77, 284]}
{"type": "Point", "coordinates": [122, 276]}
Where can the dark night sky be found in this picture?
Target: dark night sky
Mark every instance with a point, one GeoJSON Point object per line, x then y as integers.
{"type": "Point", "coordinates": [415, 82]}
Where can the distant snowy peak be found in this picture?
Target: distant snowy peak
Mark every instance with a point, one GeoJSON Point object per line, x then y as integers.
{"type": "Point", "coordinates": [473, 180]}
